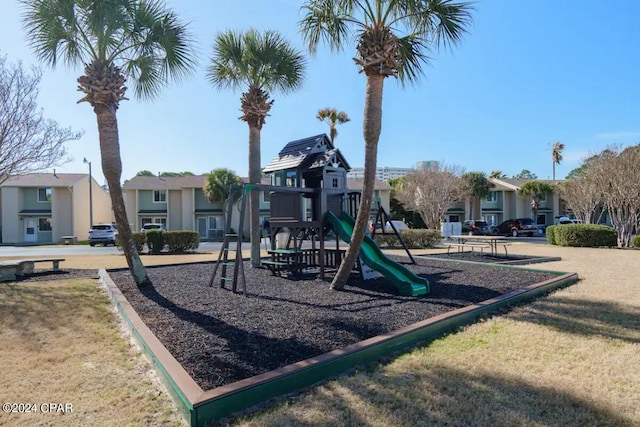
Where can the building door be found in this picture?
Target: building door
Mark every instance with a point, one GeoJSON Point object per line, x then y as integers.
{"type": "Point", "coordinates": [202, 227]}
{"type": "Point", "coordinates": [30, 230]}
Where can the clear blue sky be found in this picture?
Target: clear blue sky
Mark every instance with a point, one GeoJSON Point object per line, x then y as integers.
{"type": "Point", "coordinates": [528, 74]}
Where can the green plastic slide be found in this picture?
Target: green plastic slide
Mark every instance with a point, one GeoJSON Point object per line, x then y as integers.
{"type": "Point", "coordinates": [404, 280]}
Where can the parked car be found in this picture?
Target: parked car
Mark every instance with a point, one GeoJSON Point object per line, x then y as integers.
{"type": "Point", "coordinates": [476, 227]}
{"type": "Point", "coordinates": [516, 227]}
{"type": "Point", "coordinates": [103, 233]}
{"type": "Point", "coordinates": [399, 225]}
{"type": "Point", "coordinates": [567, 220]}
{"type": "Point", "coordinates": [152, 226]}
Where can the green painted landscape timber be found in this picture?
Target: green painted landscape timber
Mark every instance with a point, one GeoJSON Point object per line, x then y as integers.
{"type": "Point", "coordinates": [202, 407]}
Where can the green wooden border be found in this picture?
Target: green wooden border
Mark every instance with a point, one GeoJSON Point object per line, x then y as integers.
{"type": "Point", "coordinates": [212, 405]}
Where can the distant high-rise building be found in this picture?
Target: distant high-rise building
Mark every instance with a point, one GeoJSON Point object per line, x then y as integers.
{"type": "Point", "coordinates": [385, 173]}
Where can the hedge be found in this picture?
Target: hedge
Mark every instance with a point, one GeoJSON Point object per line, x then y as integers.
{"type": "Point", "coordinates": [138, 239]}
{"type": "Point", "coordinates": [582, 235]}
{"type": "Point", "coordinates": [413, 238]}
{"type": "Point", "coordinates": [181, 241]}
{"type": "Point", "coordinates": [155, 241]}
{"type": "Point", "coordinates": [636, 241]}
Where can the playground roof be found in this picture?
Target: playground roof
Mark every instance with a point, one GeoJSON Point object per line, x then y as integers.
{"type": "Point", "coordinates": [312, 152]}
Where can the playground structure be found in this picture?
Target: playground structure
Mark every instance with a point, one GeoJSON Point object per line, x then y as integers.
{"type": "Point", "coordinates": [308, 197]}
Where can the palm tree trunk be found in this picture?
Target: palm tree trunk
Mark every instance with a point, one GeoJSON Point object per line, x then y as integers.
{"type": "Point", "coordinates": [255, 173]}
{"type": "Point", "coordinates": [112, 169]}
{"type": "Point", "coordinates": [372, 125]}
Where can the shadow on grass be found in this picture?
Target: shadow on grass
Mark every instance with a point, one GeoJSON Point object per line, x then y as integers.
{"type": "Point", "coordinates": [584, 317]}
{"type": "Point", "coordinates": [26, 307]}
{"type": "Point", "coordinates": [441, 396]}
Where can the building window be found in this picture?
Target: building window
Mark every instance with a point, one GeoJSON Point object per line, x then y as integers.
{"type": "Point", "coordinates": [44, 194]}
{"type": "Point", "coordinates": [492, 197]}
{"type": "Point", "coordinates": [44, 224]}
{"type": "Point", "coordinates": [541, 219]}
{"type": "Point", "coordinates": [543, 198]}
{"type": "Point", "coordinates": [266, 196]}
{"type": "Point", "coordinates": [334, 182]}
{"type": "Point", "coordinates": [159, 196]}
{"type": "Point", "coordinates": [454, 218]}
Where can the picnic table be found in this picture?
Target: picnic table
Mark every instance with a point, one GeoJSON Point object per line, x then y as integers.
{"type": "Point", "coordinates": [290, 259]}
{"type": "Point", "coordinates": [478, 242]}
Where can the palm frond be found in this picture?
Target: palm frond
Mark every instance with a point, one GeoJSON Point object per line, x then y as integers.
{"type": "Point", "coordinates": [250, 59]}
{"type": "Point", "coordinates": [141, 37]}
{"type": "Point", "coordinates": [327, 21]}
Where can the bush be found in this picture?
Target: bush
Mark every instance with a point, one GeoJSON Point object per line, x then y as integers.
{"type": "Point", "coordinates": [585, 235]}
{"type": "Point", "coordinates": [636, 241]}
{"type": "Point", "coordinates": [155, 241]}
{"type": "Point", "coordinates": [138, 239]}
{"type": "Point", "coordinates": [181, 241]}
{"type": "Point", "coordinates": [413, 238]}
{"type": "Point", "coordinates": [550, 232]}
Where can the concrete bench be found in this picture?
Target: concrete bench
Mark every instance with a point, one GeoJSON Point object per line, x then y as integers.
{"type": "Point", "coordinates": [10, 270]}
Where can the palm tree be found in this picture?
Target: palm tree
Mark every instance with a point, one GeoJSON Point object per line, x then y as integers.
{"type": "Point", "coordinates": [535, 190]}
{"type": "Point", "coordinates": [393, 38]}
{"type": "Point", "coordinates": [216, 189]}
{"type": "Point", "coordinates": [332, 117]}
{"type": "Point", "coordinates": [138, 40]}
{"type": "Point", "coordinates": [259, 63]}
{"type": "Point", "coordinates": [497, 174]}
{"type": "Point", "coordinates": [556, 155]}
{"type": "Point", "coordinates": [475, 186]}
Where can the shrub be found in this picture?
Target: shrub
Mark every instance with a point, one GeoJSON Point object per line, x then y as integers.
{"type": "Point", "coordinates": [636, 241]}
{"type": "Point", "coordinates": [550, 232]}
{"type": "Point", "coordinates": [138, 239]}
{"type": "Point", "coordinates": [155, 241]}
{"type": "Point", "coordinates": [181, 241]}
{"type": "Point", "coordinates": [413, 238]}
{"type": "Point", "coordinates": [585, 235]}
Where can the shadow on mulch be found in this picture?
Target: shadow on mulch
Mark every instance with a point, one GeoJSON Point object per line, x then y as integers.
{"type": "Point", "coordinates": [220, 336]}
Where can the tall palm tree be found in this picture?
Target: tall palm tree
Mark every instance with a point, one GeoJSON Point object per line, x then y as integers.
{"type": "Point", "coordinates": [535, 190]}
{"type": "Point", "coordinates": [475, 186]}
{"type": "Point", "coordinates": [216, 189]}
{"type": "Point", "coordinates": [556, 155]}
{"type": "Point", "coordinates": [333, 117]}
{"type": "Point", "coordinates": [497, 174]}
{"type": "Point", "coordinates": [393, 39]}
{"type": "Point", "coordinates": [118, 40]}
{"type": "Point", "coordinates": [259, 64]}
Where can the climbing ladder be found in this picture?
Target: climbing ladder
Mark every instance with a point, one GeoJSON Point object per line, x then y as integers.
{"type": "Point", "coordinates": [225, 261]}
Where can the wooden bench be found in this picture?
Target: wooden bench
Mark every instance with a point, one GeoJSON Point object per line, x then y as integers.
{"type": "Point", "coordinates": [10, 270]}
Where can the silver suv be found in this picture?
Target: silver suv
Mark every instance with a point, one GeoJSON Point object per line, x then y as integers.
{"type": "Point", "coordinates": [103, 233]}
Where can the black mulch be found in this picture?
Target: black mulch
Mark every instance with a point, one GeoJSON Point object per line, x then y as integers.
{"type": "Point", "coordinates": [481, 257]}
{"type": "Point", "coordinates": [220, 337]}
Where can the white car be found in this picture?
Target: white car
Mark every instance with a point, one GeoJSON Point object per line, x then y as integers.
{"type": "Point", "coordinates": [567, 220]}
{"type": "Point", "coordinates": [103, 233]}
{"type": "Point", "coordinates": [152, 226]}
{"type": "Point", "coordinates": [399, 225]}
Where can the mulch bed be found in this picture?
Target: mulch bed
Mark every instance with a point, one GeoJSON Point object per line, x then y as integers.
{"type": "Point", "coordinates": [220, 337]}
{"type": "Point", "coordinates": [481, 257]}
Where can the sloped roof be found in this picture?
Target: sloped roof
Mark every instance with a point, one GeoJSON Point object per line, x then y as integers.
{"type": "Point", "coordinates": [306, 149]}
{"type": "Point", "coordinates": [513, 184]}
{"type": "Point", "coordinates": [356, 184]}
{"type": "Point", "coordinates": [45, 180]}
{"type": "Point", "coordinates": [322, 159]}
{"type": "Point", "coordinates": [172, 182]}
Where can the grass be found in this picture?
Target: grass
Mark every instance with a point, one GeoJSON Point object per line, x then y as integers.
{"type": "Point", "coordinates": [567, 359]}
{"type": "Point", "coordinates": [61, 343]}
